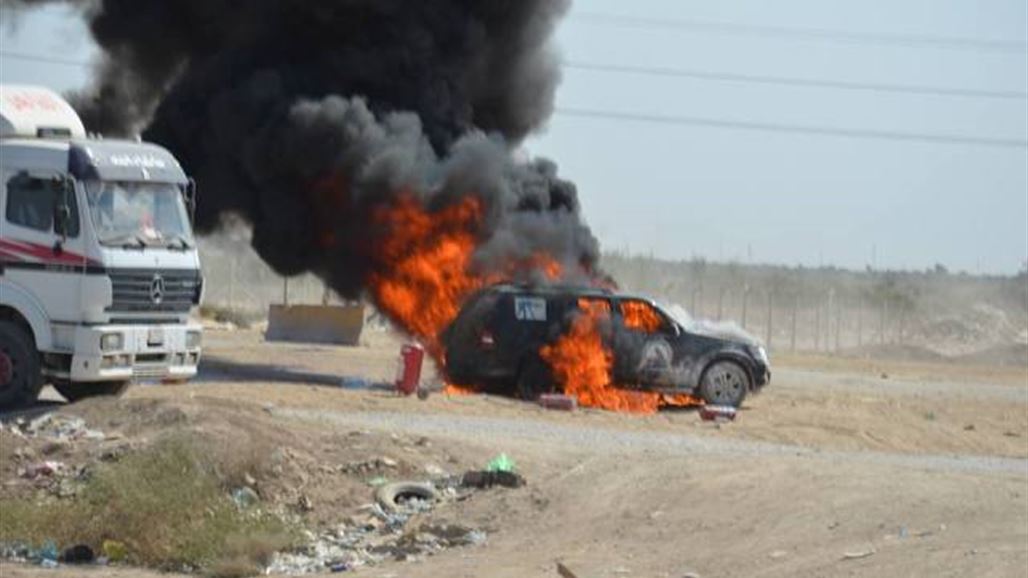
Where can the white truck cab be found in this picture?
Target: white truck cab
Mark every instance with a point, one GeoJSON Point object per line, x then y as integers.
{"type": "Point", "coordinates": [99, 271]}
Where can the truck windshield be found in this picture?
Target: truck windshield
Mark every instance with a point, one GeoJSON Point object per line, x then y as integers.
{"type": "Point", "coordinates": [134, 213]}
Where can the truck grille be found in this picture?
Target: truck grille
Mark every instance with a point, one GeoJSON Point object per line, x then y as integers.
{"type": "Point", "coordinates": [155, 290]}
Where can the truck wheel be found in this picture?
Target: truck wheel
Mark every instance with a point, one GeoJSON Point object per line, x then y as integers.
{"type": "Point", "coordinates": [534, 379]}
{"type": "Point", "coordinates": [724, 383]}
{"type": "Point", "coordinates": [20, 379]}
{"type": "Point", "coordinates": [75, 391]}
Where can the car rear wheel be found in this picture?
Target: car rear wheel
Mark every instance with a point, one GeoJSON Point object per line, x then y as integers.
{"type": "Point", "coordinates": [724, 383]}
{"type": "Point", "coordinates": [76, 391]}
{"type": "Point", "coordinates": [20, 379]}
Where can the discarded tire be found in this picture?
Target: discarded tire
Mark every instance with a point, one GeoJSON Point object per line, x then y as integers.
{"type": "Point", "coordinates": [393, 496]}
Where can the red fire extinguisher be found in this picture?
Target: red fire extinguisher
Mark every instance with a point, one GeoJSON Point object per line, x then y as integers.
{"type": "Point", "coordinates": [408, 373]}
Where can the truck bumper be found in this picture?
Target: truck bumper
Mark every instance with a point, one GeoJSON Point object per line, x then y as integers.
{"type": "Point", "coordinates": [145, 352]}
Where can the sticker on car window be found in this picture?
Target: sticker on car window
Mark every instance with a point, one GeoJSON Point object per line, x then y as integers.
{"type": "Point", "coordinates": [530, 309]}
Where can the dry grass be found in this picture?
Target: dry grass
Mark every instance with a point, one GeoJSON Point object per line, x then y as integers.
{"type": "Point", "coordinates": [932, 371]}
{"type": "Point", "coordinates": [167, 504]}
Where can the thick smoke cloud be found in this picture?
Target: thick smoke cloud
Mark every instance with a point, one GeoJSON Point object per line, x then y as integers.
{"type": "Point", "coordinates": [303, 116]}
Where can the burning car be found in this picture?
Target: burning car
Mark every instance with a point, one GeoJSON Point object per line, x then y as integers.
{"type": "Point", "coordinates": [596, 344]}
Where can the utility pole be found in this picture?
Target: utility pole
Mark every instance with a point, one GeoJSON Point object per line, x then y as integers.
{"type": "Point", "coordinates": [795, 306]}
{"type": "Point", "coordinates": [745, 298]}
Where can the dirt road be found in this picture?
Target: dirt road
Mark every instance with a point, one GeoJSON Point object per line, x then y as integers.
{"type": "Point", "coordinates": [837, 469]}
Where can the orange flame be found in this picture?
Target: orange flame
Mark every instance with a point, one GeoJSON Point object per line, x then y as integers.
{"type": "Point", "coordinates": [428, 255]}
{"type": "Point", "coordinates": [426, 274]}
{"type": "Point", "coordinates": [640, 316]}
{"type": "Point", "coordinates": [582, 364]}
{"type": "Point", "coordinates": [594, 307]}
{"type": "Point", "coordinates": [457, 390]}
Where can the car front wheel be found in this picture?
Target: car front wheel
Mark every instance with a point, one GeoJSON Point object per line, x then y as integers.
{"type": "Point", "coordinates": [724, 383]}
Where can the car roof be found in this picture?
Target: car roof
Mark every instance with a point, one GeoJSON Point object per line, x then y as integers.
{"type": "Point", "coordinates": [564, 289]}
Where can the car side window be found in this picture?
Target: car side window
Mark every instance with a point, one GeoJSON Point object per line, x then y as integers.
{"type": "Point", "coordinates": [641, 316]}
{"type": "Point", "coordinates": [31, 202]}
{"type": "Point", "coordinates": [594, 307]}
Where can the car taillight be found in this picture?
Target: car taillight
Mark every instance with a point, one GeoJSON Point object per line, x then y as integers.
{"type": "Point", "coordinates": [486, 340]}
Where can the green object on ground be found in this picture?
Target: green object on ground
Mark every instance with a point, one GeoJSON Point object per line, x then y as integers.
{"type": "Point", "coordinates": [501, 463]}
{"type": "Point", "coordinates": [114, 550]}
{"type": "Point", "coordinates": [378, 481]}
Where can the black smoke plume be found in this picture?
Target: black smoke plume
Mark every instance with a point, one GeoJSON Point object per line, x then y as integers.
{"type": "Point", "coordinates": [302, 116]}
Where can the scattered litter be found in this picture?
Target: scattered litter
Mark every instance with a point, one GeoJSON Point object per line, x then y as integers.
{"type": "Point", "coordinates": [488, 479]}
{"type": "Point", "coordinates": [718, 413]}
{"type": "Point", "coordinates": [374, 536]}
{"type": "Point", "coordinates": [48, 553]}
{"type": "Point", "coordinates": [114, 550]}
{"type": "Point", "coordinates": [858, 555]}
{"type": "Point", "coordinates": [501, 463]}
{"type": "Point", "coordinates": [368, 466]}
{"type": "Point", "coordinates": [378, 481]}
{"type": "Point", "coordinates": [558, 402]}
{"type": "Point", "coordinates": [245, 497]}
{"type": "Point", "coordinates": [61, 427]}
{"type": "Point", "coordinates": [41, 470]}
{"type": "Point", "coordinates": [80, 554]}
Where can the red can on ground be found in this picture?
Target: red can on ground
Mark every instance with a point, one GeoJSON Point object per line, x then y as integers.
{"type": "Point", "coordinates": [408, 374]}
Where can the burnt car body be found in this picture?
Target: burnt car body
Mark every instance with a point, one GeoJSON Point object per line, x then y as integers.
{"type": "Point", "coordinates": [494, 344]}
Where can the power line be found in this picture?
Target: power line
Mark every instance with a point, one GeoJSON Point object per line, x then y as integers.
{"type": "Point", "coordinates": [700, 121]}
{"type": "Point", "coordinates": [703, 75]}
{"type": "Point", "coordinates": [822, 34]}
{"type": "Point", "coordinates": [791, 128]}
{"type": "Point", "coordinates": [794, 81]}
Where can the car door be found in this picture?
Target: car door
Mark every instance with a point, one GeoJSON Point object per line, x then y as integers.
{"type": "Point", "coordinates": [644, 352]}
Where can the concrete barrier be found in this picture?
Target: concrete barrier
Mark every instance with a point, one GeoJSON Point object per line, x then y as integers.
{"type": "Point", "coordinates": [335, 324]}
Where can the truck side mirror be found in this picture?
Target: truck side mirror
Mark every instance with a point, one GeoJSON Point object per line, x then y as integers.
{"type": "Point", "coordinates": [62, 218]}
{"type": "Point", "coordinates": [190, 196]}
{"type": "Point", "coordinates": [62, 212]}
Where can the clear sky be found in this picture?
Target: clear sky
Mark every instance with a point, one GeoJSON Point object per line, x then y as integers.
{"type": "Point", "coordinates": [681, 189]}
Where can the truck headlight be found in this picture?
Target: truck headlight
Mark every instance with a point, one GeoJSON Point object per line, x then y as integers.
{"type": "Point", "coordinates": [112, 341]}
{"type": "Point", "coordinates": [193, 339]}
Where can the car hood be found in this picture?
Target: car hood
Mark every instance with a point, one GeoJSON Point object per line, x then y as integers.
{"type": "Point", "coordinates": [729, 331]}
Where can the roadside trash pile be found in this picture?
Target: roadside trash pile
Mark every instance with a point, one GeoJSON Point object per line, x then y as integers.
{"type": "Point", "coordinates": [49, 556]}
{"type": "Point", "coordinates": [396, 525]}
{"type": "Point", "coordinates": [56, 427]}
{"type": "Point", "coordinates": [37, 465]}
{"type": "Point", "coordinates": [44, 439]}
